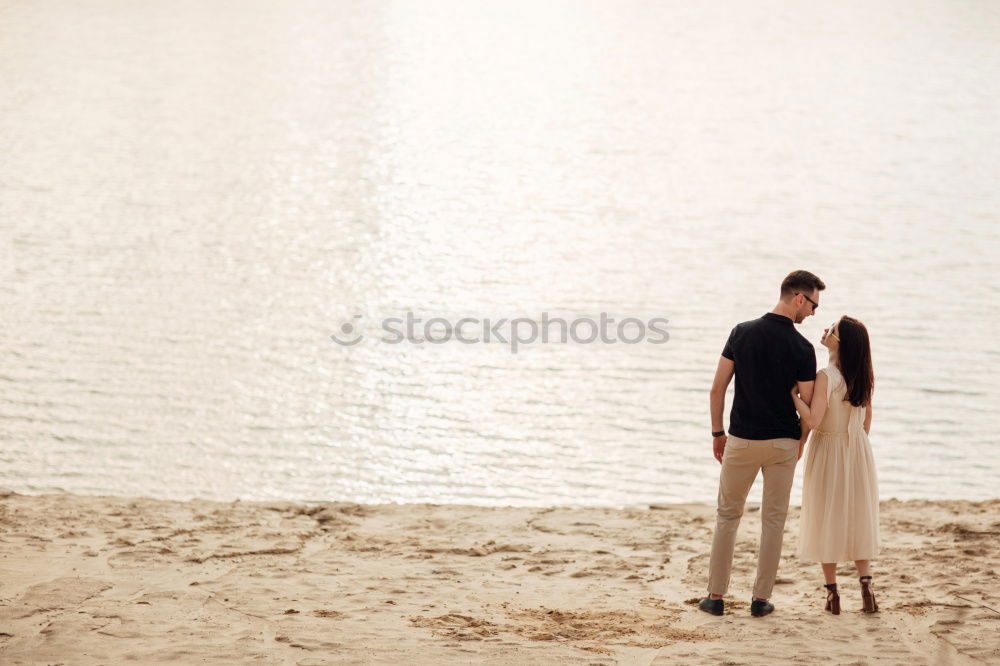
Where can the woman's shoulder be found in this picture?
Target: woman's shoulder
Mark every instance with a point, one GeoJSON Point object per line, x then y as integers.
{"type": "Point", "coordinates": [835, 379]}
{"type": "Point", "coordinates": [831, 372]}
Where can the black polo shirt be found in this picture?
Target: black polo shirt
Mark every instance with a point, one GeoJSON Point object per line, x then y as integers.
{"type": "Point", "coordinates": [769, 356]}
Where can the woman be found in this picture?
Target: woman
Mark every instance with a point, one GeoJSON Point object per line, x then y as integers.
{"type": "Point", "coordinates": [840, 489]}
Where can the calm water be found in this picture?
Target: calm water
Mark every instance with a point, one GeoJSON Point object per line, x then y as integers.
{"type": "Point", "coordinates": [194, 196]}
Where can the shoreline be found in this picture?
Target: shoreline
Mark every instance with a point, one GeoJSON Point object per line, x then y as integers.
{"type": "Point", "coordinates": [6, 492]}
{"type": "Point", "coordinates": [97, 579]}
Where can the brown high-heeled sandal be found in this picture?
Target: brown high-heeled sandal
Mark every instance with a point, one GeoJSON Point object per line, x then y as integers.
{"type": "Point", "coordinates": [832, 599]}
{"type": "Point", "coordinates": [867, 596]}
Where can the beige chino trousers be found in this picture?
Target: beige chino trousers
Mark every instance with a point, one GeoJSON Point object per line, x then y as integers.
{"type": "Point", "coordinates": [742, 460]}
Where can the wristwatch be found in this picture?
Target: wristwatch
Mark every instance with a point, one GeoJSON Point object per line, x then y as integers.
{"type": "Point", "coordinates": [719, 433]}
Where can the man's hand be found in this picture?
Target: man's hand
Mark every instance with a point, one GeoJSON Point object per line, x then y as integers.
{"type": "Point", "coordinates": [719, 447]}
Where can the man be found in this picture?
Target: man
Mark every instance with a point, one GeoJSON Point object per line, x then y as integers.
{"type": "Point", "coordinates": [768, 357]}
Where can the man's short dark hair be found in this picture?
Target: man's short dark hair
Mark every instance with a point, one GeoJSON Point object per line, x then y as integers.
{"type": "Point", "coordinates": [800, 281]}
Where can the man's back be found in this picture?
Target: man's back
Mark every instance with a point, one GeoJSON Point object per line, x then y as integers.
{"type": "Point", "coordinates": [769, 357]}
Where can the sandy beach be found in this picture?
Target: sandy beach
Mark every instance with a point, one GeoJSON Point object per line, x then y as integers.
{"type": "Point", "coordinates": [89, 580]}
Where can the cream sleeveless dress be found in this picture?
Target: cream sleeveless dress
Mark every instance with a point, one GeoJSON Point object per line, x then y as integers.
{"type": "Point", "coordinates": [839, 490]}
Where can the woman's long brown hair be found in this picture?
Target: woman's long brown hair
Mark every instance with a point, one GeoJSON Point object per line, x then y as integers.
{"type": "Point", "coordinates": [856, 361]}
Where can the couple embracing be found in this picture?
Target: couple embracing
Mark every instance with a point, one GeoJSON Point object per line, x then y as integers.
{"type": "Point", "coordinates": [779, 399]}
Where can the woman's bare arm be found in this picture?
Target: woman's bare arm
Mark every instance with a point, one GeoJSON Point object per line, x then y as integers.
{"type": "Point", "coordinates": [812, 414]}
{"type": "Point", "coordinates": [868, 417]}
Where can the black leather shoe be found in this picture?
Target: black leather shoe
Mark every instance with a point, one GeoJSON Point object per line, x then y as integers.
{"type": "Point", "coordinates": [761, 608]}
{"type": "Point", "coordinates": [713, 606]}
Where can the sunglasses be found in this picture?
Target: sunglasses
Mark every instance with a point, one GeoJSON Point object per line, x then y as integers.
{"type": "Point", "coordinates": [814, 303]}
